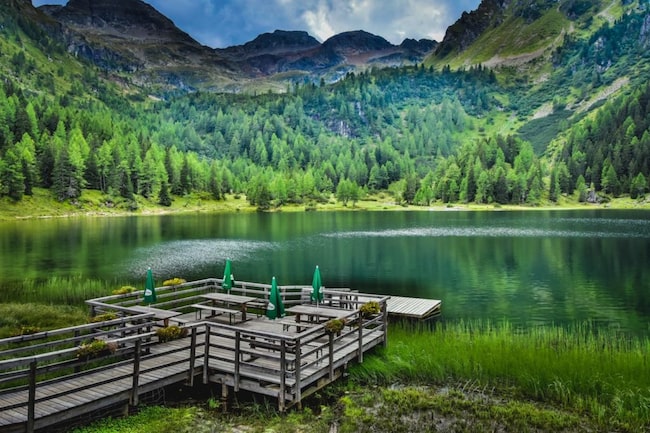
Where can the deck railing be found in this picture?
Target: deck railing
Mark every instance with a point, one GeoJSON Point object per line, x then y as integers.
{"type": "Point", "coordinates": [285, 365]}
{"type": "Point", "coordinates": [180, 297]}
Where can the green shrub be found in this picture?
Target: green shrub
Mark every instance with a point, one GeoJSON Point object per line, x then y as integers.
{"type": "Point", "coordinates": [370, 308]}
{"type": "Point", "coordinates": [109, 315]}
{"type": "Point", "coordinates": [124, 290]}
{"type": "Point", "coordinates": [95, 348]}
{"type": "Point", "coordinates": [173, 281]}
{"type": "Point", "coordinates": [335, 325]}
{"type": "Point", "coordinates": [169, 333]}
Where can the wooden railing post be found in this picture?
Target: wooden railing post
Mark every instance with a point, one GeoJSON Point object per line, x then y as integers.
{"type": "Point", "coordinates": [136, 373]}
{"type": "Point", "coordinates": [206, 354]}
{"type": "Point", "coordinates": [31, 399]}
{"type": "Point", "coordinates": [298, 350]}
{"type": "Point", "coordinates": [237, 359]}
{"type": "Point", "coordinates": [331, 355]}
{"type": "Point", "coordinates": [77, 343]}
{"type": "Point", "coordinates": [384, 309]}
{"type": "Point", "coordinates": [190, 379]}
{"type": "Point", "coordinates": [283, 374]}
{"type": "Point", "coordinates": [360, 320]}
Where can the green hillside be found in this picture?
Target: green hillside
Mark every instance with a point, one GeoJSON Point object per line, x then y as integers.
{"type": "Point", "coordinates": [527, 132]}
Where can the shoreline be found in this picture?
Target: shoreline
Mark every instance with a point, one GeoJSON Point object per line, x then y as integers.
{"type": "Point", "coordinates": [94, 204]}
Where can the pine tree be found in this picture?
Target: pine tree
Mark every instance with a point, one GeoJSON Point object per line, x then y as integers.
{"type": "Point", "coordinates": [12, 179]}
{"type": "Point", "coordinates": [27, 154]}
{"type": "Point", "coordinates": [164, 199]}
{"type": "Point", "coordinates": [639, 186]}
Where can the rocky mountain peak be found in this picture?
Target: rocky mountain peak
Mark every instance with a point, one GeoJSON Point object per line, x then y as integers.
{"type": "Point", "coordinates": [357, 41]}
{"type": "Point", "coordinates": [470, 26]}
{"type": "Point", "coordinates": [133, 19]}
{"type": "Point", "coordinates": [277, 43]}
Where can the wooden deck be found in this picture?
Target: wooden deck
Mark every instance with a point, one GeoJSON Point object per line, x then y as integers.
{"type": "Point", "coordinates": [416, 308]}
{"type": "Point", "coordinates": [44, 383]}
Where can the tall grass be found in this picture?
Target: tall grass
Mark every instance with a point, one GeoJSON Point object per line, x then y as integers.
{"type": "Point", "coordinates": [39, 317]}
{"type": "Point", "coordinates": [601, 373]}
{"type": "Point", "coordinates": [69, 290]}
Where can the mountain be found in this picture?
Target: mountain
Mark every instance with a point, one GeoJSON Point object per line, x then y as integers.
{"type": "Point", "coordinates": [131, 36]}
{"type": "Point", "coordinates": [503, 33]}
{"type": "Point", "coordinates": [297, 51]}
{"type": "Point", "coordinates": [524, 101]}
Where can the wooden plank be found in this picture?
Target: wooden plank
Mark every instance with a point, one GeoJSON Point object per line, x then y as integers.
{"type": "Point", "coordinates": [418, 308]}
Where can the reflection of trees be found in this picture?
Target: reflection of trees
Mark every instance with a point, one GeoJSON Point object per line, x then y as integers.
{"type": "Point", "coordinates": [524, 278]}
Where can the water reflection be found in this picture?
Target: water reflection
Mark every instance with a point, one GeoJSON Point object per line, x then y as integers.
{"type": "Point", "coordinates": [527, 267]}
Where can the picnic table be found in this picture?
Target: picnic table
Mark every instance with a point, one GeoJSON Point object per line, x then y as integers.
{"type": "Point", "coordinates": [226, 303]}
{"type": "Point", "coordinates": [159, 313]}
{"type": "Point", "coordinates": [314, 313]}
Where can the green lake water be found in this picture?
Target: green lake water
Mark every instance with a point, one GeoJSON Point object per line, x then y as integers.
{"type": "Point", "coordinates": [537, 267]}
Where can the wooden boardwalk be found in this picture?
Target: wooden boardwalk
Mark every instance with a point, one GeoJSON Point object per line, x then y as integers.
{"type": "Point", "coordinates": [44, 383]}
{"type": "Point", "coordinates": [59, 400]}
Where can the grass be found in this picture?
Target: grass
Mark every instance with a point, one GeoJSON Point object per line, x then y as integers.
{"type": "Point", "coordinates": [93, 203]}
{"type": "Point", "coordinates": [409, 409]}
{"type": "Point", "coordinates": [69, 290]}
{"type": "Point", "coordinates": [206, 418]}
{"type": "Point", "coordinates": [512, 38]}
{"type": "Point", "coordinates": [580, 370]}
{"type": "Point", "coordinates": [16, 316]}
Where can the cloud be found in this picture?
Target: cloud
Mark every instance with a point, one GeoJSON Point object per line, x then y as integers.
{"type": "Point", "coordinates": [221, 23]}
{"type": "Point", "coordinates": [318, 23]}
{"type": "Point", "coordinates": [395, 20]}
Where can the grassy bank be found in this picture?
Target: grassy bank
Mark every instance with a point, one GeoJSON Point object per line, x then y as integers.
{"type": "Point", "coordinates": [581, 370]}
{"type": "Point", "coordinates": [73, 290]}
{"type": "Point", "coordinates": [94, 203]}
{"type": "Point", "coordinates": [15, 318]}
{"type": "Point", "coordinates": [460, 377]}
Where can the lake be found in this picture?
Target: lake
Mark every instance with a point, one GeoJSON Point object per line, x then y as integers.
{"type": "Point", "coordinates": [529, 267]}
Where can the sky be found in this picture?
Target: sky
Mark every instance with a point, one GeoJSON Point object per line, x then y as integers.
{"type": "Point", "coordinates": [224, 23]}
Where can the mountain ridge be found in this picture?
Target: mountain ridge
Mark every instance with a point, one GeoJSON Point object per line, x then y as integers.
{"type": "Point", "coordinates": [131, 35]}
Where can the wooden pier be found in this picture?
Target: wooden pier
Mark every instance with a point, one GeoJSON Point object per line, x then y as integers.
{"type": "Point", "coordinates": [45, 382]}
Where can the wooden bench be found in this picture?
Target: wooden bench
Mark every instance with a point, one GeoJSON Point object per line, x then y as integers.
{"type": "Point", "coordinates": [216, 311]}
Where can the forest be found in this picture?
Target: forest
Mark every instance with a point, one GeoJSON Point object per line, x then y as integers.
{"type": "Point", "coordinates": [424, 134]}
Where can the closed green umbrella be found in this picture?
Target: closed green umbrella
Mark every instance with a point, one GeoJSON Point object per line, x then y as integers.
{"type": "Point", "coordinates": [149, 289]}
{"type": "Point", "coordinates": [316, 287]}
{"type": "Point", "coordinates": [275, 308]}
{"type": "Point", "coordinates": [228, 280]}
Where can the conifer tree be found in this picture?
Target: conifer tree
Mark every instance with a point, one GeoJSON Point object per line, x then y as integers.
{"type": "Point", "coordinates": [164, 199]}
{"type": "Point", "coordinates": [12, 179]}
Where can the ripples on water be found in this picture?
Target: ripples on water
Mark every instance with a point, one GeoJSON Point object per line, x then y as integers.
{"type": "Point", "coordinates": [176, 257]}
{"type": "Point", "coordinates": [496, 232]}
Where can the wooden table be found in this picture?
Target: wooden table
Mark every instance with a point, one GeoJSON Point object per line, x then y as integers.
{"type": "Point", "coordinates": [314, 313]}
{"type": "Point", "coordinates": [229, 299]}
{"type": "Point", "coordinates": [159, 313]}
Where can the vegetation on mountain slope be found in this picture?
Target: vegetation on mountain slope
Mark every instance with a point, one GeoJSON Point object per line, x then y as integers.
{"type": "Point", "coordinates": [426, 135]}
